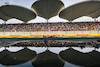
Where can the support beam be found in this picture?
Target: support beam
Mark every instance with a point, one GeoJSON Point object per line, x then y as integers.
{"type": "Point", "coordinates": [47, 20]}
{"type": "Point", "coordinates": [25, 22]}
{"type": "Point", "coordinates": [94, 19]}
{"type": "Point", "coordinates": [70, 21]}
{"type": "Point", "coordinates": [4, 22]}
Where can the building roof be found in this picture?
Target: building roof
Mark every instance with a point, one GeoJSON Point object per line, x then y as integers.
{"type": "Point", "coordinates": [85, 8]}
{"type": "Point", "coordinates": [47, 8]}
{"type": "Point", "coordinates": [17, 12]}
{"type": "Point", "coordinates": [4, 17]}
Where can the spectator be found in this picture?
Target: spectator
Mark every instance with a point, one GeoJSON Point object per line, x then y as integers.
{"type": "Point", "coordinates": [76, 26]}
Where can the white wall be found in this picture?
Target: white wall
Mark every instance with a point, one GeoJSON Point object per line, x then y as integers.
{"type": "Point", "coordinates": [49, 32]}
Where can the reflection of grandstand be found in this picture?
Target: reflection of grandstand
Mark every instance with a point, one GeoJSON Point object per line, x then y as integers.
{"type": "Point", "coordinates": [56, 44]}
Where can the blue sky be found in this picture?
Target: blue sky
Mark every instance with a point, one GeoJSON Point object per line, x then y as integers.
{"type": "Point", "coordinates": [28, 3]}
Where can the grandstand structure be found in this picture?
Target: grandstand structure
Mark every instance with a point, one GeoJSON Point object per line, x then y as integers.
{"type": "Point", "coordinates": [51, 31]}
